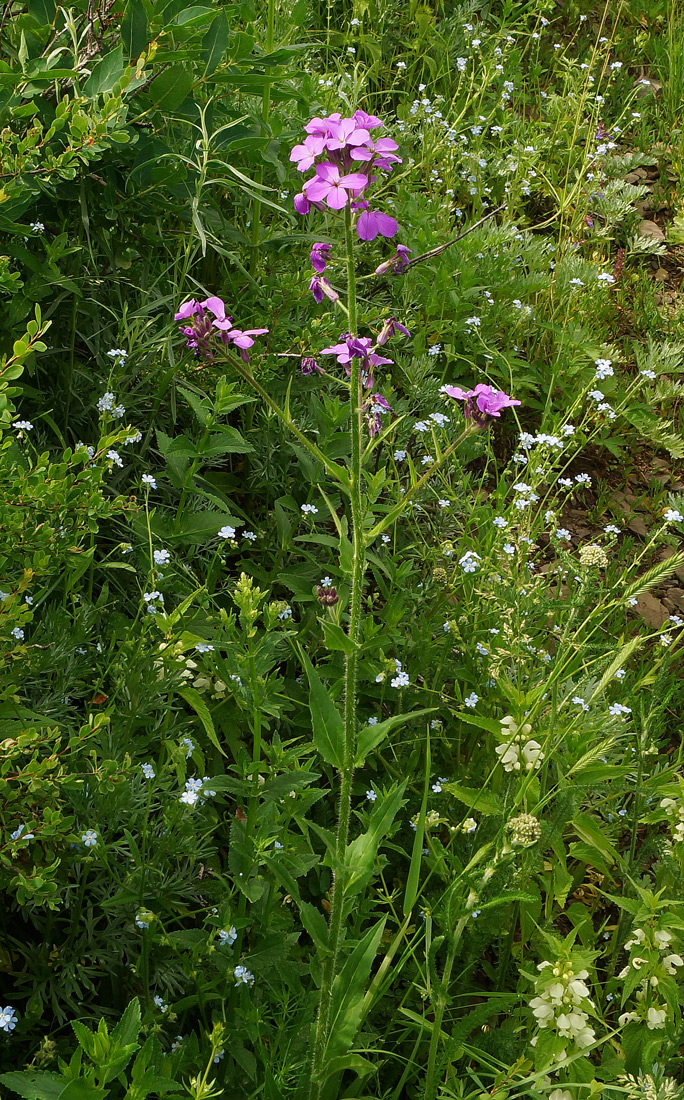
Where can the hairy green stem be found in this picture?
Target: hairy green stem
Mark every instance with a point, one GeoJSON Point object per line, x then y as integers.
{"type": "Point", "coordinates": [336, 924]}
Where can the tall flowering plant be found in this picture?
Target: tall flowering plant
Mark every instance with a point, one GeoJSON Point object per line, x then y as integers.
{"type": "Point", "coordinates": [347, 157]}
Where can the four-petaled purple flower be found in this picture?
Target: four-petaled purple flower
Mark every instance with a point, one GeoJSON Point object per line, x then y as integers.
{"type": "Point", "coordinates": [372, 222]}
{"type": "Point", "coordinates": [482, 403]}
{"type": "Point", "coordinates": [333, 188]}
{"type": "Point", "coordinates": [357, 347]}
{"type": "Point", "coordinates": [319, 256]}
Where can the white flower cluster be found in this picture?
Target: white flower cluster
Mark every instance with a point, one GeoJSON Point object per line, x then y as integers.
{"type": "Point", "coordinates": [675, 811]}
{"type": "Point", "coordinates": [649, 954]}
{"type": "Point", "coordinates": [519, 752]}
{"type": "Point", "coordinates": [563, 1004]}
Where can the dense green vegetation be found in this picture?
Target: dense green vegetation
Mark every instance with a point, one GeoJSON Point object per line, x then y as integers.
{"type": "Point", "coordinates": [340, 745]}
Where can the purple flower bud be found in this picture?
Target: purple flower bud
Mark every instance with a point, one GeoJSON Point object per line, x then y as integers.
{"type": "Point", "coordinates": [397, 262]}
{"type": "Point", "coordinates": [310, 366]}
{"type": "Point", "coordinates": [301, 203]}
{"type": "Point", "coordinates": [388, 329]}
{"type": "Point", "coordinates": [327, 597]}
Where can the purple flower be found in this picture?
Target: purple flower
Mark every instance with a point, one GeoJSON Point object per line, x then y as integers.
{"type": "Point", "coordinates": [301, 203]}
{"type": "Point", "coordinates": [332, 188]}
{"type": "Point", "coordinates": [319, 256]}
{"type": "Point", "coordinates": [189, 309]}
{"type": "Point", "coordinates": [388, 329]}
{"type": "Point", "coordinates": [372, 222]}
{"type": "Point", "coordinates": [377, 407]}
{"type": "Point", "coordinates": [200, 330]}
{"type": "Point", "coordinates": [241, 338]}
{"type": "Point", "coordinates": [481, 403]}
{"type": "Point", "coordinates": [310, 366]}
{"type": "Point", "coordinates": [397, 262]}
{"type": "Point", "coordinates": [357, 347]}
{"type": "Point", "coordinates": [343, 141]}
{"type": "Point", "coordinates": [305, 154]}
{"type": "Point", "coordinates": [381, 153]}
{"type": "Point", "coordinates": [321, 288]}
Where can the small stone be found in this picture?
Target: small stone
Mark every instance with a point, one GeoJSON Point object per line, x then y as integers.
{"type": "Point", "coordinates": [638, 527]}
{"type": "Point", "coordinates": [651, 229]}
{"type": "Point", "coordinates": [652, 610]}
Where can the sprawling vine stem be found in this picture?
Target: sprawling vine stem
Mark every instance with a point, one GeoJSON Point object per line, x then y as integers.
{"type": "Point", "coordinates": [358, 568]}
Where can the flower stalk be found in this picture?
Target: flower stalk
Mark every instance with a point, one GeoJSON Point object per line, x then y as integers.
{"type": "Point", "coordinates": [358, 568]}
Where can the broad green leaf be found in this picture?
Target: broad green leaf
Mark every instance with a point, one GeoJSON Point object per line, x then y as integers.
{"type": "Point", "coordinates": [81, 1089]}
{"type": "Point", "coordinates": [328, 727]}
{"type": "Point", "coordinates": [134, 29]}
{"type": "Point", "coordinates": [34, 1084]}
{"type": "Point", "coordinates": [171, 87]}
{"type": "Point", "coordinates": [194, 699]}
{"type": "Point", "coordinates": [108, 70]}
{"type": "Point", "coordinates": [335, 638]}
{"type": "Point", "coordinates": [485, 802]}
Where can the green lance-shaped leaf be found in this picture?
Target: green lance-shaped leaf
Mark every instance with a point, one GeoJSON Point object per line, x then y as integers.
{"type": "Point", "coordinates": [348, 993]}
{"type": "Point", "coordinates": [326, 720]}
{"type": "Point", "coordinates": [134, 29]}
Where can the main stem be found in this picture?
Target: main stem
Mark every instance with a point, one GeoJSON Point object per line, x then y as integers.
{"type": "Point", "coordinates": [336, 925]}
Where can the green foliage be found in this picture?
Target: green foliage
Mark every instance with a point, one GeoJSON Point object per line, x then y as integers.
{"type": "Point", "coordinates": [330, 771]}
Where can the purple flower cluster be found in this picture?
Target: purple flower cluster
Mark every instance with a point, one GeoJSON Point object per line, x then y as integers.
{"type": "Point", "coordinates": [333, 147]}
{"type": "Point", "coordinates": [482, 403]}
{"type": "Point", "coordinates": [205, 320]}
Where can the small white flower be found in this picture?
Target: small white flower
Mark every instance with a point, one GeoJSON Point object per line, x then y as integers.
{"type": "Point", "coordinates": [371, 795]}
{"type": "Point", "coordinates": [23, 425]}
{"type": "Point", "coordinates": [605, 277]}
{"type": "Point", "coordinates": [161, 557]}
{"type": "Point", "coordinates": [8, 1018]}
{"type": "Point", "coordinates": [117, 353]}
{"type": "Point", "coordinates": [249, 535]}
{"type": "Point", "coordinates": [400, 680]}
{"type": "Point", "coordinates": [227, 532]}
{"type": "Point", "coordinates": [89, 838]}
{"type": "Point", "coordinates": [673, 516]}
{"type": "Point", "coordinates": [147, 770]}
{"type": "Point", "coordinates": [148, 480]}
{"type": "Point", "coordinates": [243, 976]}
{"type": "Point", "coordinates": [309, 509]}
{"type": "Point", "coordinates": [499, 521]}
{"type": "Point", "coordinates": [227, 937]}
{"type": "Point", "coordinates": [114, 457]}
{"type": "Point", "coordinates": [160, 1003]}
{"type": "Point", "coordinates": [472, 700]}
{"type": "Point", "coordinates": [399, 456]}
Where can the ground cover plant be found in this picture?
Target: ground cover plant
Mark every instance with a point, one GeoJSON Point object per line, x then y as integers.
{"type": "Point", "coordinates": [341, 566]}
